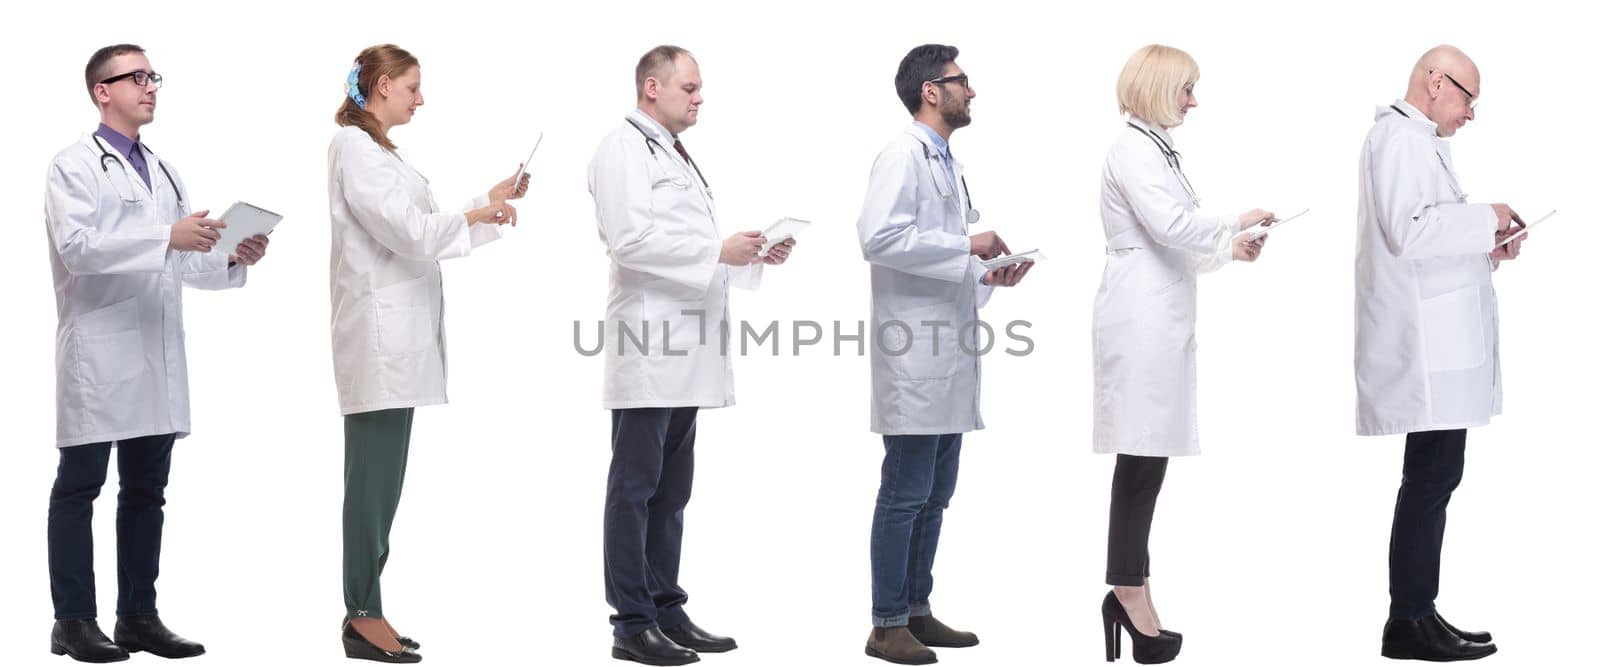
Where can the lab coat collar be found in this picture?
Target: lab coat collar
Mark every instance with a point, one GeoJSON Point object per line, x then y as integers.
{"type": "Point", "coordinates": [653, 128]}
{"type": "Point", "coordinates": [926, 136]}
{"type": "Point", "coordinates": [1153, 129]}
{"type": "Point", "coordinates": [137, 188]}
{"type": "Point", "coordinates": [1412, 114]}
{"type": "Point", "coordinates": [934, 141]}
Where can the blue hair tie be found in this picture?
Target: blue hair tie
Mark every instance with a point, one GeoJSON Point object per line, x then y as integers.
{"type": "Point", "coordinates": [352, 87]}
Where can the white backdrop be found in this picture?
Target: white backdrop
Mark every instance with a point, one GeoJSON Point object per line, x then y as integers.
{"type": "Point", "coordinates": [1268, 550]}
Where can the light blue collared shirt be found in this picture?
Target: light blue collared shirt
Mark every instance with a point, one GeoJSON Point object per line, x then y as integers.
{"type": "Point", "coordinates": [942, 147]}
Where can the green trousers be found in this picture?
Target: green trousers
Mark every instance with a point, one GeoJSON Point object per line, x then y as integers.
{"type": "Point", "coordinates": [375, 447]}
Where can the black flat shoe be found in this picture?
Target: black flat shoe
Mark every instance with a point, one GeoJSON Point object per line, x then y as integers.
{"type": "Point", "coordinates": [1428, 639]}
{"type": "Point", "coordinates": [692, 637]}
{"type": "Point", "coordinates": [148, 634]}
{"type": "Point", "coordinates": [358, 648]}
{"type": "Point", "coordinates": [83, 641]}
{"type": "Point", "coordinates": [651, 647]}
{"type": "Point", "coordinates": [1147, 649]}
{"type": "Point", "coordinates": [1475, 637]}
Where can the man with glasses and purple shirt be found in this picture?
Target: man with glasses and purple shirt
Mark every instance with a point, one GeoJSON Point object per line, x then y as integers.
{"type": "Point", "coordinates": [122, 246]}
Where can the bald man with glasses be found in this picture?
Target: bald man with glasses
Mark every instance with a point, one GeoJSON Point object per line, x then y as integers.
{"type": "Point", "coordinates": [1427, 340]}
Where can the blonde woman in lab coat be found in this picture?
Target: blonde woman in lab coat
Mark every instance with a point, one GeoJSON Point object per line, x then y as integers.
{"type": "Point", "coordinates": [1157, 242]}
{"type": "Point", "coordinates": [388, 336]}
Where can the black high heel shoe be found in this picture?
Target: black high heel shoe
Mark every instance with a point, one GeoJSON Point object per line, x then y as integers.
{"type": "Point", "coordinates": [357, 647]}
{"type": "Point", "coordinates": [1147, 650]}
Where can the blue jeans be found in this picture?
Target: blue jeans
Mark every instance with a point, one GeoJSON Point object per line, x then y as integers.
{"type": "Point", "coordinates": [919, 476]}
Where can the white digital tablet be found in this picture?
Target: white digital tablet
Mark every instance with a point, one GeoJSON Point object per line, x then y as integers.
{"type": "Point", "coordinates": [1015, 258]}
{"type": "Point", "coordinates": [244, 221]}
{"type": "Point", "coordinates": [781, 231]}
{"type": "Point", "coordinates": [1524, 230]}
{"type": "Point", "coordinates": [1262, 230]}
{"type": "Point", "coordinates": [524, 168]}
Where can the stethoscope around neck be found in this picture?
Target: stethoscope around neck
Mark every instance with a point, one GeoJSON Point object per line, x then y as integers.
{"type": "Point", "coordinates": [946, 193]}
{"type": "Point", "coordinates": [1172, 161]}
{"type": "Point", "coordinates": [651, 143]}
{"type": "Point", "coordinates": [127, 173]}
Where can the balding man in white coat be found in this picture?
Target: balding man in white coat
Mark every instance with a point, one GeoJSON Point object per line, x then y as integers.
{"type": "Point", "coordinates": [1427, 359]}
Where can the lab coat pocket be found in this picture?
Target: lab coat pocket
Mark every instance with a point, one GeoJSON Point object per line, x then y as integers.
{"type": "Point", "coordinates": [1161, 271]}
{"type": "Point", "coordinates": [685, 325]}
{"type": "Point", "coordinates": [1452, 328]}
{"type": "Point", "coordinates": [109, 347]}
{"type": "Point", "coordinates": [670, 183]}
{"type": "Point", "coordinates": [927, 355]}
{"type": "Point", "coordinates": [405, 321]}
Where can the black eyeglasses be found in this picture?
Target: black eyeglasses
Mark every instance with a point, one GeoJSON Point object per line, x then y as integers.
{"type": "Point", "coordinates": [1472, 100]}
{"type": "Point", "coordinates": [958, 78]}
{"type": "Point", "coordinates": [140, 78]}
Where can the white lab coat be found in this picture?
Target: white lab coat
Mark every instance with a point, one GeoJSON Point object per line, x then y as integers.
{"type": "Point", "coordinates": [669, 293]}
{"type": "Point", "coordinates": [1427, 324]}
{"type": "Point", "coordinates": [120, 366]}
{"type": "Point", "coordinates": [1157, 241]}
{"type": "Point", "coordinates": [923, 270]}
{"type": "Point", "coordinates": [388, 298]}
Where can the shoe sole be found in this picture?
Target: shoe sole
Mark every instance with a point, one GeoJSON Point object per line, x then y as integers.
{"type": "Point", "coordinates": [709, 649]}
{"type": "Point", "coordinates": [624, 655]}
{"type": "Point", "coordinates": [1396, 655]}
{"type": "Point", "coordinates": [899, 661]}
{"type": "Point", "coordinates": [949, 644]}
{"type": "Point", "coordinates": [135, 648]}
{"type": "Point", "coordinates": [56, 649]}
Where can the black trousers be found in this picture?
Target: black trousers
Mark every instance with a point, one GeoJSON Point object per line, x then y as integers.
{"type": "Point", "coordinates": [1433, 466]}
{"type": "Point", "coordinates": [1135, 484]}
{"type": "Point", "coordinates": [652, 472]}
{"type": "Point", "coordinates": [142, 467]}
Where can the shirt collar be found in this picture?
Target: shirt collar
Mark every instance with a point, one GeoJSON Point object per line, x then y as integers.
{"type": "Point", "coordinates": [939, 143]}
{"type": "Point", "coordinates": [1153, 129]}
{"type": "Point", "coordinates": [651, 127]}
{"type": "Point", "coordinates": [124, 145]}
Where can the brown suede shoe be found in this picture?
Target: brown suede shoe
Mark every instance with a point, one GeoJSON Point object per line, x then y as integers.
{"type": "Point", "coordinates": [898, 646]}
{"type": "Point", "coordinates": [931, 632]}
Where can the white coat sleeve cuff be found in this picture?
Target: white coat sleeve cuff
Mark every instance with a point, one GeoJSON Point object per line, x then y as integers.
{"type": "Point", "coordinates": [981, 291]}
{"type": "Point", "coordinates": [746, 277]}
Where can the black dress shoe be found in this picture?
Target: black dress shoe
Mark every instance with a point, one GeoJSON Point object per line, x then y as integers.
{"type": "Point", "coordinates": [1476, 637]}
{"type": "Point", "coordinates": [1428, 639]}
{"type": "Point", "coordinates": [692, 637]}
{"type": "Point", "coordinates": [83, 640]}
{"type": "Point", "coordinates": [357, 647]}
{"type": "Point", "coordinates": [146, 633]}
{"type": "Point", "coordinates": [651, 647]}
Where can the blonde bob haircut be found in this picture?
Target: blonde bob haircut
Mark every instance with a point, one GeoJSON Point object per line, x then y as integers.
{"type": "Point", "coordinates": [1151, 81]}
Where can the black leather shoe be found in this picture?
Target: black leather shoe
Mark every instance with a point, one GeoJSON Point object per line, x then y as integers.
{"type": "Point", "coordinates": [1428, 639]}
{"type": "Point", "coordinates": [1476, 637]}
{"type": "Point", "coordinates": [357, 647]}
{"type": "Point", "coordinates": [651, 647]}
{"type": "Point", "coordinates": [692, 637]}
{"type": "Point", "coordinates": [146, 633]}
{"type": "Point", "coordinates": [84, 642]}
